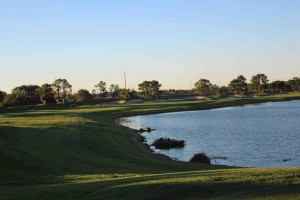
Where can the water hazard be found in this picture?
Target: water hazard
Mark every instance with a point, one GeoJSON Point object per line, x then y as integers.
{"type": "Point", "coordinates": [266, 135]}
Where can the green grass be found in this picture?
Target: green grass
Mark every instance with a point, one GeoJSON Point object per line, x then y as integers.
{"type": "Point", "coordinates": [80, 153]}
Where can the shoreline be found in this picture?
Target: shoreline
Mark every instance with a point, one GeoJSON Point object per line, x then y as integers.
{"type": "Point", "coordinates": [136, 137]}
{"type": "Point", "coordinates": [235, 104]}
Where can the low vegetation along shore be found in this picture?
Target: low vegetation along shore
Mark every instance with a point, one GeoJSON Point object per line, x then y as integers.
{"type": "Point", "coordinates": [60, 152]}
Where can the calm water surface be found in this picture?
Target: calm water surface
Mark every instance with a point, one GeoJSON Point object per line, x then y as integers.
{"type": "Point", "coordinates": [266, 135]}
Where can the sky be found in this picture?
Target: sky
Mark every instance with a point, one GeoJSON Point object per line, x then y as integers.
{"type": "Point", "coordinates": [176, 42]}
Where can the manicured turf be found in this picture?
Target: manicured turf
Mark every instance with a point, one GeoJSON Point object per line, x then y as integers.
{"type": "Point", "coordinates": [80, 153]}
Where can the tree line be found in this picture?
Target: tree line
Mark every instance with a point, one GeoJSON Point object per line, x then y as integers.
{"type": "Point", "coordinates": [60, 91]}
{"type": "Point", "coordinates": [258, 85]}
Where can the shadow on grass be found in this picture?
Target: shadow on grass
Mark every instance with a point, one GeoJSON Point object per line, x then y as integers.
{"type": "Point", "coordinates": [159, 187]}
{"type": "Point", "coordinates": [33, 156]}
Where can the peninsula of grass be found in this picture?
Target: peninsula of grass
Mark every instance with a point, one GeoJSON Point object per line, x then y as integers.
{"type": "Point", "coordinates": [167, 143]}
{"type": "Point", "coordinates": [81, 153]}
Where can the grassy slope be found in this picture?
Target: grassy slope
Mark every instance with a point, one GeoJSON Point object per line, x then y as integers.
{"type": "Point", "coordinates": [80, 153]}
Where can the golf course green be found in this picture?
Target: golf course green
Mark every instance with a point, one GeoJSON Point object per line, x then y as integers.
{"type": "Point", "coordinates": [58, 152]}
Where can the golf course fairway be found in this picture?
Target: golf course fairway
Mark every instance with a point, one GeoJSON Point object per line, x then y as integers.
{"type": "Point", "coordinates": [58, 152]}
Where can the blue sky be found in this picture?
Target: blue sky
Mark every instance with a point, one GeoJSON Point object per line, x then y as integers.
{"type": "Point", "coordinates": [174, 42]}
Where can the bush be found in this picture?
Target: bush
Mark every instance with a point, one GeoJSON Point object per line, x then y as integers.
{"type": "Point", "coordinates": [167, 143]}
{"type": "Point", "coordinates": [148, 129]}
{"type": "Point", "coordinates": [200, 158]}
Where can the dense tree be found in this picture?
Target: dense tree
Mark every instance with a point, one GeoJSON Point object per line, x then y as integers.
{"type": "Point", "coordinates": [254, 84]}
{"type": "Point", "coordinates": [296, 83]}
{"type": "Point", "coordinates": [277, 86]}
{"type": "Point", "coordinates": [114, 90]}
{"type": "Point", "coordinates": [101, 86]}
{"type": "Point", "coordinates": [144, 89]}
{"type": "Point", "coordinates": [293, 84]}
{"type": "Point", "coordinates": [11, 100]}
{"type": "Point", "coordinates": [83, 95]}
{"type": "Point", "coordinates": [154, 89]}
{"type": "Point", "coordinates": [223, 91]}
{"type": "Point", "coordinates": [290, 85]}
{"type": "Point", "coordinates": [29, 94]}
{"type": "Point", "coordinates": [22, 95]}
{"type": "Point", "coordinates": [149, 89]}
{"type": "Point", "coordinates": [177, 91]}
{"type": "Point", "coordinates": [133, 94]}
{"type": "Point", "coordinates": [46, 94]}
{"type": "Point", "coordinates": [214, 89]}
{"type": "Point", "coordinates": [62, 89]}
{"type": "Point", "coordinates": [239, 85]}
{"type": "Point", "coordinates": [202, 87]}
{"type": "Point", "coordinates": [127, 94]}
{"type": "Point", "coordinates": [94, 92]}
{"type": "Point", "coordinates": [124, 93]}
{"type": "Point", "coordinates": [2, 95]}
{"type": "Point", "coordinates": [258, 83]}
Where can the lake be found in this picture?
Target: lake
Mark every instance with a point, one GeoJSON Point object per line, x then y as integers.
{"type": "Point", "coordinates": [264, 135]}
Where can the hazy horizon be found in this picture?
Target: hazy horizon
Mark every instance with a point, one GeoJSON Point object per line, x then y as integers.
{"type": "Point", "coordinates": [174, 42]}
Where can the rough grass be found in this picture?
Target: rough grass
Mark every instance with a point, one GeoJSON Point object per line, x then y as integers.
{"type": "Point", "coordinates": [80, 153]}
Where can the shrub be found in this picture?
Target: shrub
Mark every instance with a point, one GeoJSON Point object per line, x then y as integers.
{"type": "Point", "coordinates": [200, 158]}
{"type": "Point", "coordinates": [167, 143]}
{"type": "Point", "coordinates": [148, 129]}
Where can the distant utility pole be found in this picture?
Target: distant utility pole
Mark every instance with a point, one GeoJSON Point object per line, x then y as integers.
{"type": "Point", "coordinates": [125, 79]}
